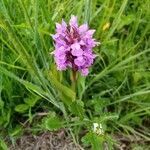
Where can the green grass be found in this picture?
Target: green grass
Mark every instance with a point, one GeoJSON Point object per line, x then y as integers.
{"type": "Point", "coordinates": [117, 91]}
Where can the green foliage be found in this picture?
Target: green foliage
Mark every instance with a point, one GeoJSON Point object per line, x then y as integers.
{"type": "Point", "coordinates": [67, 93]}
{"type": "Point", "coordinates": [95, 140]}
{"type": "Point", "coordinates": [77, 108]}
{"type": "Point", "coordinates": [16, 132]}
{"type": "Point", "coordinates": [52, 123]}
{"type": "Point", "coordinates": [3, 146]}
{"type": "Point", "coordinates": [116, 92]}
{"type": "Point", "coordinates": [21, 108]}
{"type": "Point", "coordinates": [31, 101]}
{"type": "Point", "coordinates": [1, 104]}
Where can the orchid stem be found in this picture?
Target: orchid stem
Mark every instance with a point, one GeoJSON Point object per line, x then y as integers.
{"type": "Point", "coordinates": [74, 79]}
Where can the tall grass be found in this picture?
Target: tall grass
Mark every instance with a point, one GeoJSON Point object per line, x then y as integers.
{"type": "Point", "coordinates": [116, 93]}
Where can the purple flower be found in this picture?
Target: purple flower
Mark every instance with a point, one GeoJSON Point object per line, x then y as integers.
{"type": "Point", "coordinates": [73, 46]}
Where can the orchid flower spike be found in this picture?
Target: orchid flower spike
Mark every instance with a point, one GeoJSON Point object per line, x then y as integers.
{"type": "Point", "coordinates": [73, 46]}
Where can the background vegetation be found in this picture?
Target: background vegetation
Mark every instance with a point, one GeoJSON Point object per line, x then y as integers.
{"type": "Point", "coordinates": [35, 97]}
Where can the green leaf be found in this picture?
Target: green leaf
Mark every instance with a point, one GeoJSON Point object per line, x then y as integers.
{"type": "Point", "coordinates": [8, 116]}
{"type": "Point", "coordinates": [21, 108]}
{"type": "Point", "coordinates": [3, 145]}
{"type": "Point", "coordinates": [94, 140]}
{"type": "Point", "coordinates": [77, 108]}
{"type": "Point", "coordinates": [37, 89]}
{"type": "Point", "coordinates": [65, 91]}
{"type": "Point", "coordinates": [108, 116]}
{"type": "Point", "coordinates": [1, 120]}
{"type": "Point", "coordinates": [137, 77]}
{"type": "Point", "coordinates": [1, 104]}
{"type": "Point", "coordinates": [80, 85]}
{"type": "Point", "coordinates": [16, 131]}
{"type": "Point", "coordinates": [30, 115]}
{"type": "Point", "coordinates": [126, 20]}
{"type": "Point", "coordinates": [5, 117]}
{"type": "Point", "coordinates": [52, 123]}
{"type": "Point", "coordinates": [31, 101]}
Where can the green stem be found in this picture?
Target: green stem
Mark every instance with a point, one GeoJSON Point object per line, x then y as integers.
{"type": "Point", "coordinates": [74, 79]}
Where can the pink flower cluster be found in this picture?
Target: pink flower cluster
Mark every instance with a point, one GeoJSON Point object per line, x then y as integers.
{"type": "Point", "coordinates": [73, 46]}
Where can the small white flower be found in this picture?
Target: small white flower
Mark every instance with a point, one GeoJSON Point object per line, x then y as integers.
{"type": "Point", "coordinates": [97, 128]}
